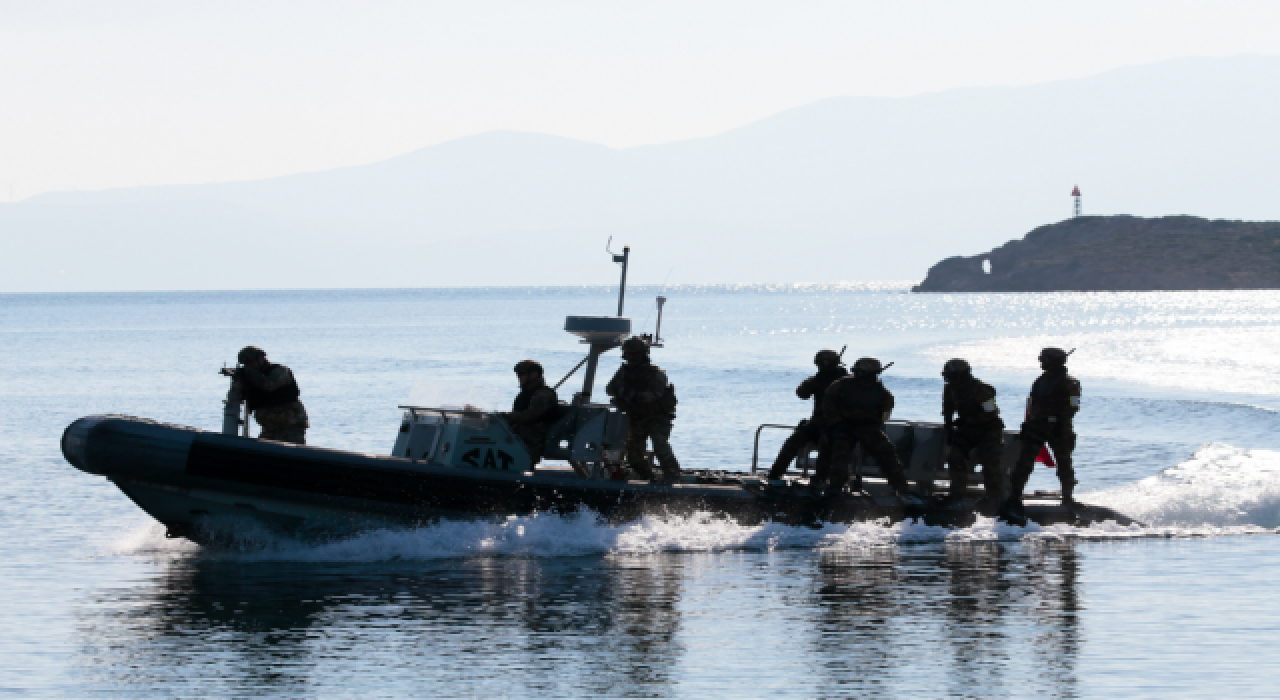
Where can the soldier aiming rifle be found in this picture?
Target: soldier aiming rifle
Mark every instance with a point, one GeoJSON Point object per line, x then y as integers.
{"type": "Point", "coordinates": [271, 393]}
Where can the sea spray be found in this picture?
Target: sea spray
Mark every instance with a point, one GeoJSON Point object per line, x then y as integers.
{"type": "Point", "coordinates": [1221, 490]}
{"type": "Point", "coordinates": [1220, 486]}
{"type": "Point", "coordinates": [583, 535]}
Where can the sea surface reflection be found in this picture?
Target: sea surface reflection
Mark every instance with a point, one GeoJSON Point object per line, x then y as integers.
{"type": "Point", "coordinates": [952, 619]}
{"type": "Point", "coordinates": [1181, 429]}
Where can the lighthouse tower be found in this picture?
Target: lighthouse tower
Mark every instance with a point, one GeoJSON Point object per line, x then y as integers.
{"type": "Point", "coordinates": [1075, 193]}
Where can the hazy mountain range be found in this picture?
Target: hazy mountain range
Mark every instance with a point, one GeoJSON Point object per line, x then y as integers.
{"type": "Point", "coordinates": [842, 189]}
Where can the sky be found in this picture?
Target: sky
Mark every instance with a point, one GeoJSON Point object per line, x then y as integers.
{"type": "Point", "coordinates": [96, 95]}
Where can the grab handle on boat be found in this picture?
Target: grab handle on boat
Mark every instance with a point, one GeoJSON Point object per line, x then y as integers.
{"type": "Point", "coordinates": [755, 450]}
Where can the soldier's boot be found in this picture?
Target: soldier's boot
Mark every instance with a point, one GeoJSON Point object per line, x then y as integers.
{"type": "Point", "coordinates": [1012, 510]}
{"type": "Point", "coordinates": [1067, 480]}
{"type": "Point", "coordinates": [1068, 490]}
{"type": "Point", "coordinates": [638, 464]}
{"type": "Point", "coordinates": [901, 487]}
{"type": "Point", "coordinates": [666, 458]}
{"type": "Point", "coordinates": [895, 476]}
{"type": "Point", "coordinates": [855, 480]}
{"type": "Point", "coordinates": [886, 456]}
{"type": "Point", "coordinates": [839, 471]}
{"type": "Point", "coordinates": [821, 472]}
{"type": "Point", "coordinates": [992, 491]}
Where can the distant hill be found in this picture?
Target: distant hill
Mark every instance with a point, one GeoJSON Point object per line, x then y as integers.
{"type": "Point", "coordinates": [842, 189]}
{"type": "Point", "coordinates": [1106, 253]}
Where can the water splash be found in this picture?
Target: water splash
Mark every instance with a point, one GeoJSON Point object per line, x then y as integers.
{"type": "Point", "coordinates": [1221, 490]}
{"type": "Point", "coordinates": [1220, 486]}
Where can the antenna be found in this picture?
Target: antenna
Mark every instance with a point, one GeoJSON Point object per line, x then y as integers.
{"type": "Point", "coordinates": [602, 333]}
{"type": "Point", "coordinates": [624, 259]}
{"type": "Point", "coordinates": [657, 331]}
{"type": "Point", "coordinates": [1075, 193]}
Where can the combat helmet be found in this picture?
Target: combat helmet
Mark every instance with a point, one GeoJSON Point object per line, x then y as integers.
{"type": "Point", "coordinates": [524, 366]}
{"type": "Point", "coordinates": [867, 366]}
{"type": "Point", "coordinates": [249, 353]}
{"type": "Point", "coordinates": [826, 356]}
{"type": "Point", "coordinates": [634, 344]}
{"type": "Point", "coordinates": [1055, 357]}
{"type": "Point", "coordinates": [956, 368]}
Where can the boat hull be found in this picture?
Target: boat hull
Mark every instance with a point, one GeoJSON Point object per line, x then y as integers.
{"type": "Point", "coordinates": [190, 479]}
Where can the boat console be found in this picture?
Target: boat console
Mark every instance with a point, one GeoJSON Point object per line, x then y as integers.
{"type": "Point", "coordinates": [590, 436]}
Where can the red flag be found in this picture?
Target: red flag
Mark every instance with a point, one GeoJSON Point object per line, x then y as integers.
{"type": "Point", "coordinates": [1046, 458]}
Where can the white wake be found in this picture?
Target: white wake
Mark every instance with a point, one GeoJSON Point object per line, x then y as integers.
{"type": "Point", "coordinates": [1221, 490]}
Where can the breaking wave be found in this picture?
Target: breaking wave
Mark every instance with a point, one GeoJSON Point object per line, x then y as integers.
{"type": "Point", "coordinates": [1221, 490]}
{"type": "Point", "coordinates": [1219, 486]}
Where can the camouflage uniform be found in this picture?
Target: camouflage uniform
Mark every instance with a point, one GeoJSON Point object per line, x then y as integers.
{"type": "Point", "coordinates": [977, 427]}
{"type": "Point", "coordinates": [809, 431]}
{"type": "Point", "coordinates": [856, 409]}
{"type": "Point", "coordinates": [272, 394]}
{"type": "Point", "coordinates": [641, 390]}
{"type": "Point", "coordinates": [531, 417]}
{"type": "Point", "coordinates": [1051, 410]}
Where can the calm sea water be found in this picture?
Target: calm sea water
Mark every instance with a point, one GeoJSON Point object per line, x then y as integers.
{"type": "Point", "coordinates": [1179, 429]}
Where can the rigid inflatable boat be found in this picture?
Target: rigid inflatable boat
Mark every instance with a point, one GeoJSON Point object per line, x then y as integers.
{"type": "Point", "coordinates": [465, 463]}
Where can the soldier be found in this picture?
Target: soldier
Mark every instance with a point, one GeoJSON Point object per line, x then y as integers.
{"type": "Point", "coordinates": [856, 408]}
{"type": "Point", "coordinates": [829, 370]}
{"type": "Point", "coordinates": [272, 394]}
{"type": "Point", "coordinates": [973, 422]}
{"type": "Point", "coordinates": [1051, 410]}
{"type": "Point", "coordinates": [641, 390]}
{"type": "Point", "coordinates": [534, 410]}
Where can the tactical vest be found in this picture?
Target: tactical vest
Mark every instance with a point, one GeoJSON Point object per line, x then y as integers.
{"type": "Point", "coordinates": [861, 403]}
{"type": "Point", "coordinates": [820, 382]}
{"type": "Point", "coordinates": [630, 385]}
{"type": "Point", "coordinates": [1052, 394]}
{"type": "Point", "coordinates": [969, 401]}
{"type": "Point", "coordinates": [525, 397]}
{"type": "Point", "coordinates": [279, 396]}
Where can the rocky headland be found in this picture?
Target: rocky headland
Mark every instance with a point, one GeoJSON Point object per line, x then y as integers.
{"type": "Point", "coordinates": [1112, 253]}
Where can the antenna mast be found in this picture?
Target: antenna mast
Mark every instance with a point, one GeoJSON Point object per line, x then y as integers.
{"type": "Point", "coordinates": [623, 259]}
